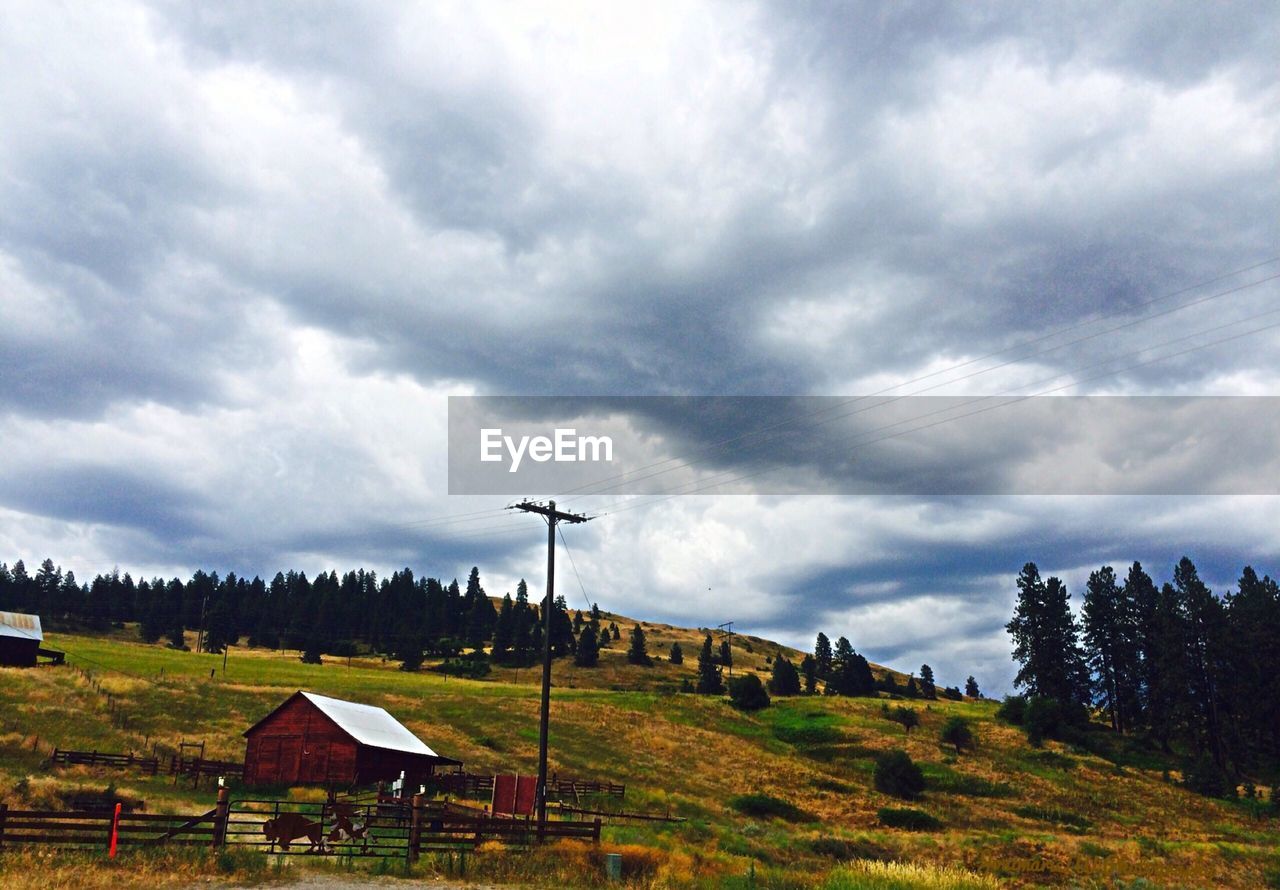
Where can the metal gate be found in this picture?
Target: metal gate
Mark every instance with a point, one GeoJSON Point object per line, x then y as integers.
{"type": "Point", "coordinates": [289, 828]}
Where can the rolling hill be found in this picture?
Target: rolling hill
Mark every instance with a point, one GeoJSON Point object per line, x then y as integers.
{"type": "Point", "coordinates": [783, 794]}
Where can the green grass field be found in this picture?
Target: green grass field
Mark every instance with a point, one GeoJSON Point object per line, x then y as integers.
{"type": "Point", "coordinates": [1010, 815]}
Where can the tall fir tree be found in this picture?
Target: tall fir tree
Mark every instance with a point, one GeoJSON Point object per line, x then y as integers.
{"type": "Point", "coordinates": [1046, 640]}
{"type": "Point", "coordinates": [709, 679]}
{"type": "Point", "coordinates": [638, 651]}
{"type": "Point", "coordinates": [823, 657]}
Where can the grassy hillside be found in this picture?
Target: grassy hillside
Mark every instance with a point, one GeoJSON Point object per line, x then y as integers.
{"type": "Point", "coordinates": [1021, 815]}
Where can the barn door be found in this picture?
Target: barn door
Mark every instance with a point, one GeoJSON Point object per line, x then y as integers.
{"type": "Point", "coordinates": [314, 763]}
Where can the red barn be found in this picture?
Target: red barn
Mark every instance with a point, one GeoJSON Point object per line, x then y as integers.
{"type": "Point", "coordinates": [316, 740]}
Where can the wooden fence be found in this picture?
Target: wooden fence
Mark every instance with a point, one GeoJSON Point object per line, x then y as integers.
{"type": "Point", "coordinates": [197, 768]}
{"type": "Point", "coordinates": [477, 785]}
{"type": "Point", "coordinates": [401, 829]}
{"type": "Point", "coordinates": [398, 828]}
{"type": "Point", "coordinates": [59, 757]}
{"type": "Point", "coordinates": [92, 829]}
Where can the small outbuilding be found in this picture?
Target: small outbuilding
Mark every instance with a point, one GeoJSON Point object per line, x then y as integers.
{"type": "Point", "coordinates": [313, 739]}
{"type": "Point", "coordinates": [20, 639]}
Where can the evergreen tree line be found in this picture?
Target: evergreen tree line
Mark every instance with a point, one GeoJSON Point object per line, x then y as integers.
{"type": "Point", "coordinates": [1174, 663]}
{"type": "Point", "coordinates": [403, 616]}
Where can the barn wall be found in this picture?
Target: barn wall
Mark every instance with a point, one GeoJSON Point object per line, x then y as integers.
{"type": "Point", "coordinates": [377, 764]}
{"type": "Point", "coordinates": [298, 745]}
{"type": "Point", "coordinates": [16, 652]}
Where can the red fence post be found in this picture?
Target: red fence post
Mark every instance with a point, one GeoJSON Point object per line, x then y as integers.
{"type": "Point", "coordinates": [115, 833]}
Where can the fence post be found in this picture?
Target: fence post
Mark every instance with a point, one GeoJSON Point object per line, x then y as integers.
{"type": "Point", "coordinates": [595, 831]}
{"type": "Point", "coordinates": [415, 828]}
{"type": "Point", "coordinates": [4, 815]}
{"type": "Point", "coordinates": [220, 815]}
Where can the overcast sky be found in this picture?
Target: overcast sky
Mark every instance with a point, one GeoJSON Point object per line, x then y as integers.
{"type": "Point", "coordinates": [248, 250]}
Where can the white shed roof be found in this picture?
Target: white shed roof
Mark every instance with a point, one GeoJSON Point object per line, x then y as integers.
{"type": "Point", "coordinates": [369, 725]}
{"type": "Point", "coordinates": [24, 627]}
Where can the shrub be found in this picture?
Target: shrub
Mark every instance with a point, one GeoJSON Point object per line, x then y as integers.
{"type": "Point", "coordinates": [813, 734]}
{"type": "Point", "coordinates": [766, 806]}
{"type": "Point", "coordinates": [897, 774]}
{"type": "Point", "coordinates": [908, 819]}
{"type": "Point", "coordinates": [1013, 709]}
{"type": "Point", "coordinates": [1048, 718]}
{"type": "Point", "coordinates": [1205, 777]}
{"type": "Point", "coordinates": [956, 732]}
{"type": "Point", "coordinates": [747, 693]}
{"type": "Point", "coordinates": [907, 717]}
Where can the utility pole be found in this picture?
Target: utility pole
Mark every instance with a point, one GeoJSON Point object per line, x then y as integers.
{"type": "Point", "coordinates": [552, 516]}
{"type": "Point", "coordinates": [727, 630]}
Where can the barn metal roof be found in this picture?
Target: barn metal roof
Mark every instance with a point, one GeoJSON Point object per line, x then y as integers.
{"type": "Point", "coordinates": [369, 725]}
{"type": "Point", "coordinates": [24, 627]}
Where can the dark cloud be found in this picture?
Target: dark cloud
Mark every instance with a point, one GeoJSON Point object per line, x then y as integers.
{"type": "Point", "coordinates": [782, 199]}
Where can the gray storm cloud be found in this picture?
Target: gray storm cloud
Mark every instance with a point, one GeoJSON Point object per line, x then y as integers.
{"type": "Point", "coordinates": [275, 238]}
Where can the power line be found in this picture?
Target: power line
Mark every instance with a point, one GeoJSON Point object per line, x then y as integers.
{"type": "Point", "coordinates": [574, 566]}
{"type": "Point", "coordinates": [701, 485]}
{"type": "Point", "coordinates": [629, 477]}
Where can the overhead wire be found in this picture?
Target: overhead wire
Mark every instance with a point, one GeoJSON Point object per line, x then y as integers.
{"type": "Point", "coordinates": [701, 485]}
{"type": "Point", "coordinates": [629, 477]}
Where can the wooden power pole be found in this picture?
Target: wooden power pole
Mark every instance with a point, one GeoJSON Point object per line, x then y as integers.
{"type": "Point", "coordinates": [549, 512]}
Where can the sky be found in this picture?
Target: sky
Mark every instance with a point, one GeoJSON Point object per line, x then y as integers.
{"type": "Point", "coordinates": [248, 251]}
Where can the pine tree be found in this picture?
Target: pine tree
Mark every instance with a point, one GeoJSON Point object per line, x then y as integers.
{"type": "Point", "coordinates": [677, 654]}
{"type": "Point", "coordinates": [823, 656]}
{"type": "Point", "coordinates": [971, 688]}
{"type": "Point", "coordinates": [809, 668]}
{"type": "Point", "coordinates": [1206, 644]}
{"type": "Point", "coordinates": [850, 673]}
{"type": "Point", "coordinates": [638, 652]}
{"type": "Point", "coordinates": [784, 681]}
{"type": "Point", "coordinates": [1046, 640]}
{"type": "Point", "coordinates": [1110, 638]}
{"type": "Point", "coordinates": [927, 687]}
{"type": "Point", "coordinates": [726, 654]}
{"type": "Point", "coordinates": [709, 680]}
{"type": "Point", "coordinates": [504, 630]}
{"type": "Point", "coordinates": [588, 654]}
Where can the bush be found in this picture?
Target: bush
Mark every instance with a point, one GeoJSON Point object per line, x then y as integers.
{"type": "Point", "coordinates": [908, 819]}
{"type": "Point", "coordinates": [1013, 709]}
{"type": "Point", "coordinates": [905, 716]}
{"type": "Point", "coordinates": [1205, 777]}
{"type": "Point", "coordinates": [897, 774]}
{"type": "Point", "coordinates": [765, 806]}
{"type": "Point", "coordinates": [747, 693]}
{"type": "Point", "coordinates": [956, 732]}
{"type": "Point", "coordinates": [472, 666]}
{"type": "Point", "coordinates": [1048, 718]}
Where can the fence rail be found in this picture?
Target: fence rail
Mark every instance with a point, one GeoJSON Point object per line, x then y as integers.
{"type": "Point", "coordinates": [478, 785]}
{"type": "Point", "coordinates": [197, 768]}
{"type": "Point", "coordinates": [405, 829]}
{"type": "Point", "coordinates": [93, 829]}
{"type": "Point", "coordinates": [59, 757]}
